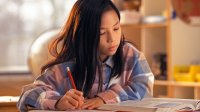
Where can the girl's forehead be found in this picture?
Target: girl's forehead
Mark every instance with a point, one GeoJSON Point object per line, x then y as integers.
{"type": "Point", "coordinates": [109, 19]}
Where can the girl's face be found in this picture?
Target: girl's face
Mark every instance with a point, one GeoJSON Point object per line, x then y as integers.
{"type": "Point", "coordinates": [110, 34]}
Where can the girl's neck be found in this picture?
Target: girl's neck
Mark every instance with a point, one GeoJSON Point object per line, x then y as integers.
{"type": "Point", "coordinates": [103, 58]}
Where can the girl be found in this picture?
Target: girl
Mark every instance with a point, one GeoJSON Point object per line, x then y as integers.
{"type": "Point", "coordinates": [104, 67]}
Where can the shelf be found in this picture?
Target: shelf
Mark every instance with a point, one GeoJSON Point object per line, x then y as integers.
{"type": "Point", "coordinates": [158, 25]}
{"type": "Point", "coordinates": [14, 70]}
{"type": "Point", "coordinates": [174, 83]}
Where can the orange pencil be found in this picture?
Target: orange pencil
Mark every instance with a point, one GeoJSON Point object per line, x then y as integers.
{"type": "Point", "coordinates": [71, 78]}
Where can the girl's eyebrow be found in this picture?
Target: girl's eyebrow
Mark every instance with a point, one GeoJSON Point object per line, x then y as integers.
{"type": "Point", "coordinates": [116, 23]}
{"type": "Point", "coordinates": [112, 26]}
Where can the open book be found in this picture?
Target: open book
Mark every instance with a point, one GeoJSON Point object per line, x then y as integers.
{"type": "Point", "coordinates": [69, 111]}
{"type": "Point", "coordinates": [155, 105]}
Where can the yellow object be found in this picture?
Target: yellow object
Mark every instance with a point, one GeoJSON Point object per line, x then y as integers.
{"type": "Point", "coordinates": [187, 73]}
{"type": "Point", "coordinates": [196, 72]}
{"type": "Point", "coordinates": [198, 77]}
{"type": "Point", "coordinates": [165, 13]}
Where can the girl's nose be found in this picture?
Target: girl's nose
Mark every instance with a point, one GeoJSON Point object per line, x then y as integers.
{"type": "Point", "coordinates": [110, 37]}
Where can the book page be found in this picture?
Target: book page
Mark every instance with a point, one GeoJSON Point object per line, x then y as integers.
{"type": "Point", "coordinates": [186, 101]}
{"type": "Point", "coordinates": [198, 106]}
{"type": "Point", "coordinates": [126, 108]}
{"type": "Point", "coordinates": [173, 104]}
{"type": "Point", "coordinates": [195, 103]}
{"type": "Point", "coordinates": [150, 105]}
{"type": "Point", "coordinates": [69, 111]}
{"type": "Point", "coordinates": [145, 105]}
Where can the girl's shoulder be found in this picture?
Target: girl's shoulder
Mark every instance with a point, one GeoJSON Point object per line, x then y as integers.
{"type": "Point", "coordinates": [130, 50]}
{"type": "Point", "coordinates": [61, 68]}
{"type": "Point", "coordinates": [54, 74]}
{"type": "Point", "coordinates": [64, 65]}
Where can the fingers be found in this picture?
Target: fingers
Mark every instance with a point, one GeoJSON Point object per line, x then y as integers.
{"type": "Point", "coordinates": [69, 106]}
{"type": "Point", "coordinates": [79, 93]}
{"type": "Point", "coordinates": [92, 103]}
{"type": "Point", "coordinates": [64, 104]}
{"type": "Point", "coordinates": [73, 99]}
{"type": "Point", "coordinates": [86, 104]}
{"type": "Point", "coordinates": [92, 107]}
{"type": "Point", "coordinates": [76, 97]}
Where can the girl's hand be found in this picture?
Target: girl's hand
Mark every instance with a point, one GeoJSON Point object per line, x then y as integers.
{"type": "Point", "coordinates": [73, 99]}
{"type": "Point", "coordinates": [92, 103]}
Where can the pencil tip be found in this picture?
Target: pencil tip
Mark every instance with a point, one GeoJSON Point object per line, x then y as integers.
{"type": "Point", "coordinates": [68, 69]}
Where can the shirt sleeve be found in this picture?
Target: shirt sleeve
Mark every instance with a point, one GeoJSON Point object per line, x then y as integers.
{"type": "Point", "coordinates": [135, 83]}
{"type": "Point", "coordinates": [44, 92]}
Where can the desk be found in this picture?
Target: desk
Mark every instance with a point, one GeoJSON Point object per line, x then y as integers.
{"type": "Point", "coordinates": [145, 105]}
{"type": "Point", "coordinates": [8, 107]}
{"type": "Point", "coordinates": [69, 111]}
{"type": "Point", "coordinates": [8, 103]}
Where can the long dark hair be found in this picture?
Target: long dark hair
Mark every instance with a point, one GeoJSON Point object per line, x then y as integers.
{"type": "Point", "coordinates": [80, 37]}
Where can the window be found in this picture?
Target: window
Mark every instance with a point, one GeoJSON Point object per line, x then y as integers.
{"type": "Point", "coordinates": [21, 22]}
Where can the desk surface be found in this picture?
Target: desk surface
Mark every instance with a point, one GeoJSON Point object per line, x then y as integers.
{"type": "Point", "coordinates": [2, 104]}
{"type": "Point", "coordinates": [69, 111]}
{"type": "Point", "coordinates": [8, 104]}
{"type": "Point", "coordinates": [8, 107]}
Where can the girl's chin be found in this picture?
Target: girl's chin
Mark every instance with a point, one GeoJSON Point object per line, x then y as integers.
{"type": "Point", "coordinates": [111, 53]}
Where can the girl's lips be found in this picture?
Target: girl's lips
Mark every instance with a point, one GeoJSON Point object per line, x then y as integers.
{"type": "Point", "coordinates": [112, 48]}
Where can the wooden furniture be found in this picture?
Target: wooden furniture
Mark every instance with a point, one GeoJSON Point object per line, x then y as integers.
{"type": "Point", "coordinates": [8, 103]}
{"type": "Point", "coordinates": [8, 107]}
{"type": "Point", "coordinates": [173, 89]}
{"type": "Point", "coordinates": [154, 38]}
{"type": "Point", "coordinates": [151, 38]}
{"type": "Point", "coordinates": [11, 85]}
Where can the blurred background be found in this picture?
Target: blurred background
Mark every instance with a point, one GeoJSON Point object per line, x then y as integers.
{"type": "Point", "coordinates": [22, 21]}
{"type": "Point", "coordinates": [166, 31]}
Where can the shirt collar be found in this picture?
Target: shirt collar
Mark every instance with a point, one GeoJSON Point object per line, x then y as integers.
{"type": "Point", "coordinates": [109, 62]}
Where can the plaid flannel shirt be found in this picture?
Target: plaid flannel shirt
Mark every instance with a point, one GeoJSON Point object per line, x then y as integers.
{"type": "Point", "coordinates": [135, 82]}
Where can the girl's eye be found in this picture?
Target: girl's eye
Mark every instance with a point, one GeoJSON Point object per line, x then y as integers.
{"type": "Point", "coordinates": [102, 33]}
{"type": "Point", "coordinates": [115, 29]}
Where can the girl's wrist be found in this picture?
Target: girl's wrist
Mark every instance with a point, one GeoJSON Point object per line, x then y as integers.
{"type": "Point", "coordinates": [56, 104]}
{"type": "Point", "coordinates": [100, 99]}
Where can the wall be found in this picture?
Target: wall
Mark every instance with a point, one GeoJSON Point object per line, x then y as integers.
{"type": "Point", "coordinates": [185, 43]}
